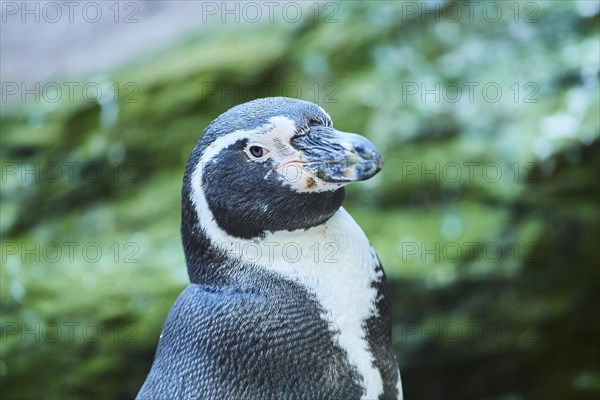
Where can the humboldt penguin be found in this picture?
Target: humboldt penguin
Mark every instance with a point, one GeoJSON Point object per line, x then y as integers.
{"type": "Point", "coordinates": [287, 298]}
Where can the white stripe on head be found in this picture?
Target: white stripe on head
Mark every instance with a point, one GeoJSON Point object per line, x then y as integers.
{"type": "Point", "coordinates": [333, 261]}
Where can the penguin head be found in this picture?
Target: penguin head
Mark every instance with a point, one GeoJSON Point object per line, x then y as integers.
{"type": "Point", "coordinates": [273, 164]}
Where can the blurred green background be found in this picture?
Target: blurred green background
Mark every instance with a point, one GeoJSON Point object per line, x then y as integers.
{"type": "Point", "coordinates": [485, 215]}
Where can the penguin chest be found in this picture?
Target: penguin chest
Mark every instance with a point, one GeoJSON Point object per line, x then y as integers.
{"type": "Point", "coordinates": [337, 266]}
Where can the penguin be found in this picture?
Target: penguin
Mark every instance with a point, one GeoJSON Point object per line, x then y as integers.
{"type": "Point", "coordinates": [287, 298]}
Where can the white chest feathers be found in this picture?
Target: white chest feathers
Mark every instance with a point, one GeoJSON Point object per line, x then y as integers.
{"type": "Point", "coordinates": [335, 263]}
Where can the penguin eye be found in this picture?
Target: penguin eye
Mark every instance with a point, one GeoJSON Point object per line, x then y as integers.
{"type": "Point", "coordinates": [257, 151]}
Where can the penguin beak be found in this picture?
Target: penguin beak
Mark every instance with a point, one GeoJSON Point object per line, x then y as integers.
{"type": "Point", "coordinates": [337, 157]}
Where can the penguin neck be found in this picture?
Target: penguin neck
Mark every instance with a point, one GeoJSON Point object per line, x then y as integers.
{"type": "Point", "coordinates": [201, 256]}
{"type": "Point", "coordinates": [219, 258]}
